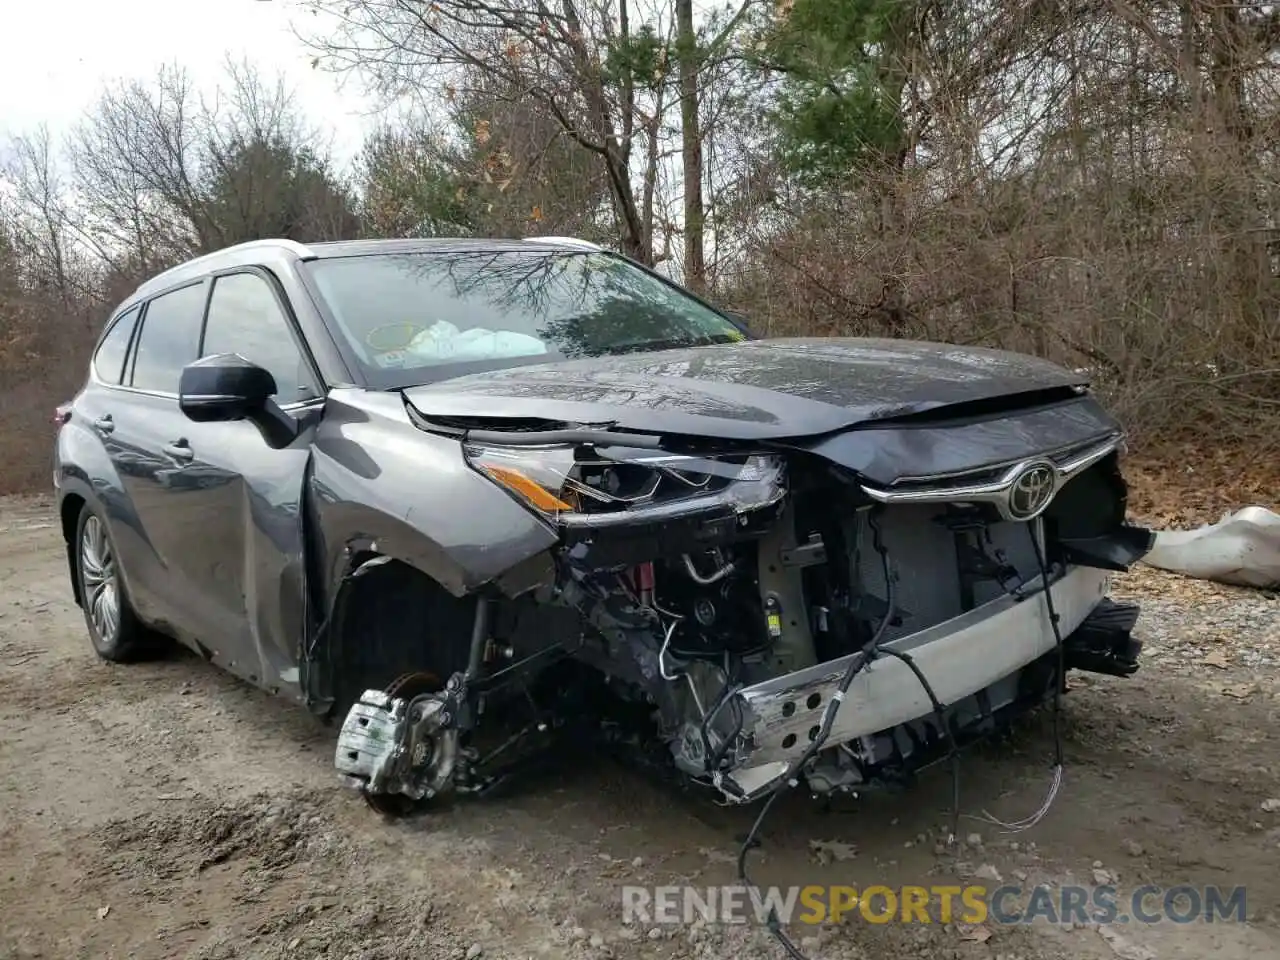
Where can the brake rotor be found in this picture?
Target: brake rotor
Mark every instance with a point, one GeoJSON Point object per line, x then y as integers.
{"type": "Point", "coordinates": [406, 686]}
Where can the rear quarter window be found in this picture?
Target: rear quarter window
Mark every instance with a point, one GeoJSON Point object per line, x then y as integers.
{"type": "Point", "coordinates": [108, 360]}
{"type": "Point", "coordinates": [170, 338]}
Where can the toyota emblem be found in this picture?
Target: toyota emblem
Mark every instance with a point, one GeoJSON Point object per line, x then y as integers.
{"type": "Point", "coordinates": [1032, 490]}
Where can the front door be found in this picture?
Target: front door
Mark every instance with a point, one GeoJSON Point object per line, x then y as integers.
{"type": "Point", "coordinates": [243, 497]}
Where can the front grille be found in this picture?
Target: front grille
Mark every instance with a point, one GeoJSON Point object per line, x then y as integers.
{"type": "Point", "coordinates": [924, 557]}
{"type": "Point", "coordinates": [1061, 457]}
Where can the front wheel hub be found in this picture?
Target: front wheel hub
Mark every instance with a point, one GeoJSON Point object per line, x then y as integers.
{"type": "Point", "coordinates": [399, 746]}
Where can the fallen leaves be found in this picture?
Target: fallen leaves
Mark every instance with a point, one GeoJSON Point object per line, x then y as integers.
{"type": "Point", "coordinates": [1167, 492]}
{"type": "Point", "coordinates": [1142, 580]}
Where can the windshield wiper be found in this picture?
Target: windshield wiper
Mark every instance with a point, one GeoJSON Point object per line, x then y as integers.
{"type": "Point", "coordinates": [519, 432]}
{"type": "Point", "coordinates": [654, 346]}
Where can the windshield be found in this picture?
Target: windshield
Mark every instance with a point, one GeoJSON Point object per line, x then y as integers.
{"type": "Point", "coordinates": [420, 317]}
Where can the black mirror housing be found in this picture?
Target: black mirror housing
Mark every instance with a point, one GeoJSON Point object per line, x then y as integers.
{"type": "Point", "coordinates": [224, 387]}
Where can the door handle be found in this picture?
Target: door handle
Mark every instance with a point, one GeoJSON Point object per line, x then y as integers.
{"type": "Point", "coordinates": [104, 423]}
{"type": "Point", "coordinates": [179, 450]}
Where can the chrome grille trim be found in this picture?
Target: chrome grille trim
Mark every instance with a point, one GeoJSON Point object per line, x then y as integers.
{"type": "Point", "coordinates": [970, 487]}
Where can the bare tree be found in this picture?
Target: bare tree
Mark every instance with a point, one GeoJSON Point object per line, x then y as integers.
{"type": "Point", "coordinates": [600, 69]}
{"type": "Point", "coordinates": [557, 58]}
{"type": "Point", "coordinates": [162, 172]}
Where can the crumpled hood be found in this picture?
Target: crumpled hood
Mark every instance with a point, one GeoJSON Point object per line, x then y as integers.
{"type": "Point", "coordinates": [755, 390]}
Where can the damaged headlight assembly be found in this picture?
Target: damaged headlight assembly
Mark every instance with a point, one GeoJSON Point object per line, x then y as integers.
{"type": "Point", "coordinates": [577, 485]}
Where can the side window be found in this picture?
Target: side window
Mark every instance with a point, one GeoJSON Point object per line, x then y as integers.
{"type": "Point", "coordinates": [108, 361]}
{"type": "Point", "coordinates": [246, 318]}
{"type": "Point", "coordinates": [170, 339]}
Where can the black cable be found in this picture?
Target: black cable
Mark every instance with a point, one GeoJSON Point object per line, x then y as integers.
{"type": "Point", "coordinates": [771, 921]}
{"type": "Point", "coordinates": [939, 715]}
{"type": "Point", "coordinates": [1059, 681]}
{"type": "Point", "coordinates": [1061, 678]}
{"type": "Point", "coordinates": [788, 780]}
{"type": "Point", "coordinates": [871, 652]}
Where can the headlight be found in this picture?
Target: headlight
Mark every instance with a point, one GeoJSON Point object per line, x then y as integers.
{"type": "Point", "coordinates": [607, 485]}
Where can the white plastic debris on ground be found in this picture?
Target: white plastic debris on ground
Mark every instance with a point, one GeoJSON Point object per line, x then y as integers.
{"type": "Point", "coordinates": [1243, 549]}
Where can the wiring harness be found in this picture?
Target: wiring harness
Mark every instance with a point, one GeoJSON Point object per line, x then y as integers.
{"type": "Point", "coordinates": [869, 654]}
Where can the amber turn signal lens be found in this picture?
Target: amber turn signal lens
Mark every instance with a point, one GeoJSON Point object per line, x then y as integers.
{"type": "Point", "coordinates": [536, 494]}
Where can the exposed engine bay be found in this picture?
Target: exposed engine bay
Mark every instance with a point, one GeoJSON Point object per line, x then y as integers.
{"type": "Point", "coordinates": [756, 617]}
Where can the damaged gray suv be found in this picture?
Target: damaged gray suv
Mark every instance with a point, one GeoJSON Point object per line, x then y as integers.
{"type": "Point", "coordinates": [471, 498]}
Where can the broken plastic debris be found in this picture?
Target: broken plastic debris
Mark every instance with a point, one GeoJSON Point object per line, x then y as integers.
{"type": "Point", "coordinates": [1242, 549]}
{"type": "Point", "coordinates": [825, 851]}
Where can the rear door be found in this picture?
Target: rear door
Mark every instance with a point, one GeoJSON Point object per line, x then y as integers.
{"type": "Point", "coordinates": [145, 425]}
{"type": "Point", "coordinates": [242, 498]}
{"type": "Point", "coordinates": [92, 434]}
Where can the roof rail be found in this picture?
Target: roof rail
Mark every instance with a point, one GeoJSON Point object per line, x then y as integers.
{"type": "Point", "coordinates": [276, 243]}
{"type": "Point", "coordinates": [573, 242]}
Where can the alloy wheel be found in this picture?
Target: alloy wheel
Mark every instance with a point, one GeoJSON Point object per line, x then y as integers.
{"type": "Point", "coordinates": [100, 580]}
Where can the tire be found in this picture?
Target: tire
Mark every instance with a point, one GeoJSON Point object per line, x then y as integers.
{"type": "Point", "coordinates": [114, 629]}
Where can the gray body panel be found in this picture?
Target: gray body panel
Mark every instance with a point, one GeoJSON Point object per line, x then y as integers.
{"type": "Point", "coordinates": [379, 480]}
{"type": "Point", "coordinates": [756, 390]}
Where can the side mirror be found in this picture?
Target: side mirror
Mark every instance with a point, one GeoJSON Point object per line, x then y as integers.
{"type": "Point", "coordinates": [222, 387]}
{"type": "Point", "coordinates": [226, 387]}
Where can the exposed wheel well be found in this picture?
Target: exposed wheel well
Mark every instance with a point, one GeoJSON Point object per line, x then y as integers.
{"type": "Point", "coordinates": [394, 620]}
{"type": "Point", "coordinates": [69, 514]}
{"type": "Point", "coordinates": [72, 504]}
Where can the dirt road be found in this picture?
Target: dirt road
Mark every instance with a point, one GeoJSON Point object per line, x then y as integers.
{"type": "Point", "coordinates": [165, 810]}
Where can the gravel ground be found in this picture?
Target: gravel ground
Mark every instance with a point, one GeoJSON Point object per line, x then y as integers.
{"type": "Point", "coordinates": [166, 810]}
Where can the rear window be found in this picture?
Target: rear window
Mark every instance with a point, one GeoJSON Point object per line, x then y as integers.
{"type": "Point", "coordinates": [170, 339]}
{"type": "Point", "coordinates": [418, 317]}
{"type": "Point", "coordinates": [108, 361]}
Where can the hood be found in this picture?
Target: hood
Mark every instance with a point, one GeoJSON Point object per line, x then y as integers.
{"type": "Point", "coordinates": [755, 390]}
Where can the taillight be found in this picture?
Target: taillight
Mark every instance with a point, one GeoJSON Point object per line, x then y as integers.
{"type": "Point", "coordinates": [61, 414]}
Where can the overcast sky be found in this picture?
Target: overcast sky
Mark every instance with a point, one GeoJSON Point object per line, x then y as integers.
{"type": "Point", "coordinates": [55, 56]}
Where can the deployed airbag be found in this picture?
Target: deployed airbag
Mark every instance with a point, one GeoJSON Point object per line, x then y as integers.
{"type": "Point", "coordinates": [443, 341]}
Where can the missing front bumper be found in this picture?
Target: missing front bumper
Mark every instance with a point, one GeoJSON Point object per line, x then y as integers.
{"type": "Point", "coordinates": [961, 657]}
